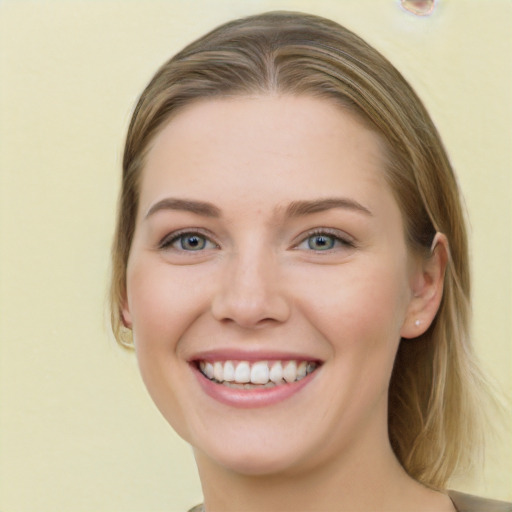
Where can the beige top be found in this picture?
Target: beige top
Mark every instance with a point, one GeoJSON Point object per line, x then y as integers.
{"type": "Point", "coordinates": [462, 502]}
{"type": "Point", "coordinates": [468, 503]}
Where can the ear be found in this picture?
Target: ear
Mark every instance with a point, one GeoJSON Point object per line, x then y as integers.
{"type": "Point", "coordinates": [427, 289]}
{"type": "Point", "coordinates": [126, 316]}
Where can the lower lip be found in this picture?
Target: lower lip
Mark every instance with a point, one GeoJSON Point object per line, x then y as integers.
{"type": "Point", "coordinates": [250, 398]}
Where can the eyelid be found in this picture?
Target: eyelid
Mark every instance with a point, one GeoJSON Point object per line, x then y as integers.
{"type": "Point", "coordinates": [341, 236]}
{"type": "Point", "coordinates": [166, 242]}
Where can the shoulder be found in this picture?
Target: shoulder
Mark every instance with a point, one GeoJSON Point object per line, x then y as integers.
{"type": "Point", "coordinates": [463, 503]}
{"type": "Point", "coordinates": [468, 503]}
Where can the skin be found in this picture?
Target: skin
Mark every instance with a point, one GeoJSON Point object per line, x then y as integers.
{"type": "Point", "coordinates": [257, 285]}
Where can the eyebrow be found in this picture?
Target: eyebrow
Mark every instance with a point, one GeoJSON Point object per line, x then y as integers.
{"type": "Point", "coordinates": [197, 207]}
{"type": "Point", "coordinates": [299, 208]}
{"type": "Point", "coordinates": [295, 209]}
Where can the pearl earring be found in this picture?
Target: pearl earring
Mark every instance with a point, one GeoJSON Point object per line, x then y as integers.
{"type": "Point", "coordinates": [417, 323]}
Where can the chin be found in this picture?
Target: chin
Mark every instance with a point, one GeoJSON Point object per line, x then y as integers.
{"type": "Point", "coordinates": [252, 460]}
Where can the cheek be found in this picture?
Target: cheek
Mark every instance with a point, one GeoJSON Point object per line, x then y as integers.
{"type": "Point", "coordinates": [163, 301]}
{"type": "Point", "coordinates": [357, 305]}
{"type": "Point", "coordinates": [360, 316]}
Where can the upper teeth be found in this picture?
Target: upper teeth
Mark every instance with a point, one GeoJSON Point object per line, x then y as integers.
{"type": "Point", "coordinates": [258, 372]}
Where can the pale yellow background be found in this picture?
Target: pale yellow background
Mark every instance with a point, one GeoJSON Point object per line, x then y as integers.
{"type": "Point", "coordinates": [77, 431]}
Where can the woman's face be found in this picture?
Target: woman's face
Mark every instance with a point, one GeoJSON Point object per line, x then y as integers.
{"type": "Point", "coordinates": [268, 247]}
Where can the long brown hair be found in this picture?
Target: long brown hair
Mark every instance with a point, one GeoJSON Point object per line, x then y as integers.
{"type": "Point", "coordinates": [433, 388]}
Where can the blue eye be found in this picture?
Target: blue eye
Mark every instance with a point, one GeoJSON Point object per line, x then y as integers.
{"type": "Point", "coordinates": [321, 242]}
{"type": "Point", "coordinates": [324, 241]}
{"type": "Point", "coordinates": [191, 242]}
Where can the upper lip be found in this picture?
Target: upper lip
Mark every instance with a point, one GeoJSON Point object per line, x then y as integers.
{"type": "Point", "coordinates": [233, 354]}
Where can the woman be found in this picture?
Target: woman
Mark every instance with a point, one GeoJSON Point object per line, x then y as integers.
{"type": "Point", "coordinates": [291, 260]}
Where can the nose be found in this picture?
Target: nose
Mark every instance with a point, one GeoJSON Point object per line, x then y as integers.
{"type": "Point", "coordinates": [251, 293]}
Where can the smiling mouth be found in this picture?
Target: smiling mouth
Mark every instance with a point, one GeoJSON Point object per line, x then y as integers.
{"type": "Point", "coordinates": [257, 374]}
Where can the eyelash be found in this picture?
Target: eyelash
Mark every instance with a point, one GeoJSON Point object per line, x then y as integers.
{"type": "Point", "coordinates": [167, 242]}
{"type": "Point", "coordinates": [337, 238]}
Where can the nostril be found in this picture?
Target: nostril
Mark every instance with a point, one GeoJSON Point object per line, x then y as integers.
{"type": "Point", "coordinates": [250, 311]}
{"type": "Point", "coordinates": [247, 322]}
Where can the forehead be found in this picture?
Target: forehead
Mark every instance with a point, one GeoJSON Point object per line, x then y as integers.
{"type": "Point", "coordinates": [271, 148]}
